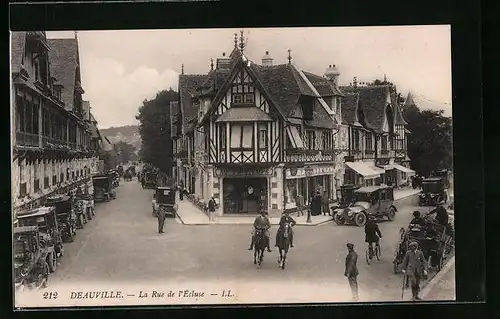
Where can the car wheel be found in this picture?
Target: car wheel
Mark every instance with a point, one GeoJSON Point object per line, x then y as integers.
{"type": "Point", "coordinates": [391, 213]}
{"type": "Point", "coordinates": [338, 219]}
{"type": "Point", "coordinates": [360, 219]}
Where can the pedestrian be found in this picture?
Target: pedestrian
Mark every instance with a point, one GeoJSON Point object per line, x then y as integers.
{"type": "Point", "coordinates": [415, 267]}
{"type": "Point", "coordinates": [161, 220]}
{"type": "Point", "coordinates": [300, 205]}
{"type": "Point", "coordinates": [211, 209]}
{"type": "Point", "coordinates": [181, 190]}
{"type": "Point", "coordinates": [351, 270]}
{"type": "Point", "coordinates": [316, 204]}
{"type": "Point", "coordinates": [326, 204]}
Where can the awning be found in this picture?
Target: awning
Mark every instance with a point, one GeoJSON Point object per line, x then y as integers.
{"type": "Point", "coordinates": [378, 169]}
{"type": "Point", "coordinates": [362, 169]}
{"type": "Point", "coordinates": [294, 136]}
{"type": "Point", "coordinates": [403, 169]}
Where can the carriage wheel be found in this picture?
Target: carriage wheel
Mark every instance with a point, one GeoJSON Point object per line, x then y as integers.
{"type": "Point", "coordinates": [52, 261]}
{"type": "Point", "coordinates": [360, 219]}
{"type": "Point", "coordinates": [391, 213]}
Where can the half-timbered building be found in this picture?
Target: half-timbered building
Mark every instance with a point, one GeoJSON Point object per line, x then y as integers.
{"type": "Point", "coordinates": [377, 141]}
{"type": "Point", "coordinates": [51, 136]}
{"type": "Point", "coordinates": [258, 135]}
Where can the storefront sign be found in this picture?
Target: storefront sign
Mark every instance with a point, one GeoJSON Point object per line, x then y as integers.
{"type": "Point", "coordinates": [309, 171]}
{"type": "Point", "coordinates": [243, 172]}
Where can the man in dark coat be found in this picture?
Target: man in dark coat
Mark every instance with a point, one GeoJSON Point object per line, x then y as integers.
{"type": "Point", "coordinates": [316, 204]}
{"type": "Point", "coordinates": [181, 190]}
{"type": "Point", "coordinates": [372, 233]}
{"type": "Point", "coordinates": [415, 267]}
{"type": "Point", "coordinates": [161, 220]}
{"type": "Point", "coordinates": [442, 215]}
{"type": "Point", "coordinates": [264, 223]}
{"type": "Point", "coordinates": [286, 219]}
{"type": "Point", "coordinates": [325, 204]}
{"type": "Point", "coordinates": [417, 219]}
{"type": "Point", "coordinates": [351, 270]}
{"type": "Point", "coordinates": [211, 209]}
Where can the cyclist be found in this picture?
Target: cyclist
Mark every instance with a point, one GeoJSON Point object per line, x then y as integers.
{"type": "Point", "coordinates": [372, 234]}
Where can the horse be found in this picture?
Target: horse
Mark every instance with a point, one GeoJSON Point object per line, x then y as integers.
{"type": "Point", "coordinates": [259, 246]}
{"type": "Point", "coordinates": [283, 244]}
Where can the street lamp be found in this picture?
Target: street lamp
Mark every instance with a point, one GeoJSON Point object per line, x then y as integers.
{"type": "Point", "coordinates": [308, 170]}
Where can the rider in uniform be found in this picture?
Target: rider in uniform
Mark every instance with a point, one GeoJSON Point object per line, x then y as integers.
{"type": "Point", "coordinates": [262, 222]}
{"type": "Point", "coordinates": [372, 233]}
{"type": "Point", "coordinates": [286, 219]}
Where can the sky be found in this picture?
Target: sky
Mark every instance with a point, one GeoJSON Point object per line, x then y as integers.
{"type": "Point", "coordinates": [122, 68]}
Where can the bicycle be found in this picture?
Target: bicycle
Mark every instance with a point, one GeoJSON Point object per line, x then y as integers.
{"type": "Point", "coordinates": [370, 252]}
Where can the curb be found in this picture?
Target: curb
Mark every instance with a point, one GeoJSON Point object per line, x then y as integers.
{"type": "Point", "coordinates": [433, 282]}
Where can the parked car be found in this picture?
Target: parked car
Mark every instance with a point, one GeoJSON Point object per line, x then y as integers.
{"type": "Point", "coordinates": [377, 201]}
{"type": "Point", "coordinates": [164, 199]}
{"type": "Point", "coordinates": [31, 269]}
{"type": "Point", "coordinates": [66, 216]}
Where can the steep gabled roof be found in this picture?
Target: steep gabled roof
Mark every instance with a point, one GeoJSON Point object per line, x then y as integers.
{"type": "Point", "coordinates": [398, 113]}
{"type": "Point", "coordinates": [322, 85]}
{"type": "Point", "coordinates": [188, 84]}
{"type": "Point", "coordinates": [350, 108]}
{"type": "Point", "coordinates": [63, 59]}
{"type": "Point", "coordinates": [372, 100]}
{"type": "Point", "coordinates": [409, 100]}
{"type": "Point", "coordinates": [18, 42]}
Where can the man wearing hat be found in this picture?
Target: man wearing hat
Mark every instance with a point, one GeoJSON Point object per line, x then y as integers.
{"type": "Point", "coordinates": [286, 219]}
{"type": "Point", "coordinates": [415, 267]}
{"type": "Point", "coordinates": [417, 219]}
{"type": "Point", "coordinates": [262, 222]}
{"type": "Point", "coordinates": [351, 270]}
{"type": "Point", "coordinates": [372, 233]}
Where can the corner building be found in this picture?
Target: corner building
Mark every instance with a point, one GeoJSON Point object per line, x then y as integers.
{"type": "Point", "coordinates": [257, 136]}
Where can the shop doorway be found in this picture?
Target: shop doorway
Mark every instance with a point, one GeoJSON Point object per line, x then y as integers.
{"type": "Point", "coordinates": [244, 195]}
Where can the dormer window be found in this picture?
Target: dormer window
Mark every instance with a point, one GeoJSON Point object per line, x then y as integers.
{"type": "Point", "coordinates": [243, 94]}
{"type": "Point", "coordinates": [307, 103]}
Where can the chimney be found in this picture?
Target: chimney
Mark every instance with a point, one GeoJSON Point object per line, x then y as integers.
{"type": "Point", "coordinates": [332, 74]}
{"type": "Point", "coordinates": [224, 62]}
{"type": "Point", "coordinates": [267, 60]}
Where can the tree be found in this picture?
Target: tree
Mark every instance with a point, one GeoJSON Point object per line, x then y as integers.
{"type": "Point", "coordinates": [154, 127]}
{"type": "Point", "coordinates": [125, 152]}
{"type": "Point", "coordinates": [430, 141]}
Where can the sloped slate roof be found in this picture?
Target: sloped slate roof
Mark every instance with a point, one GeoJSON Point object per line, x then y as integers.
{"type": "Point", "coordinates": [284, 84]}
{"type": "Point", "coordinates": [322, 85]}
{"type": "Point", "coordinates": [349, 108]}
{"type": "Point", "coordinates": [63, 59]}
{"type": "Point", "coordinates": [18, 42]}
{"type": "Point", "coordinates": [372, 100]}
{"type": "Point", "coordinates": [188, 84]}
{"type": "Point", "coordinates": [244, 114]}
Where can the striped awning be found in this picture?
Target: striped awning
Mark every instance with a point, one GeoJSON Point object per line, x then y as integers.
{"type": "Point", "coordinates": [403, 169]}
{"type": "Point", "coordinates": [363, 169]}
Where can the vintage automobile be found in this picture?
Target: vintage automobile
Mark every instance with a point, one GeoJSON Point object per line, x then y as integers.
{"type": "Point", "coordinates": [164, 199]}
{"type": "Point", "coordinates": [433, 239]}
{"type": "Point", "coordinates": [31, 259]}
{"type": "Point", "coordinates": [50, 234]}
{"type": "Point", "coordinates": [103, 188]}
{"type": "Point", "coordinates": [345, 196]}
{"type": "Point", "coordinates": [377, 201]}
{"type": "Point", "coordinates": [433, 192]}
{"type": "Point", "coordinates": [66, 216]}
{"type": "Point", "coordinates": [443, 174]}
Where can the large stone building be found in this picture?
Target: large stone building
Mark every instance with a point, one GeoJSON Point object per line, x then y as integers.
{"type": "Point", "coordinates": [256, 136]}
{"type": "Point", "coordinates": [52, 148]}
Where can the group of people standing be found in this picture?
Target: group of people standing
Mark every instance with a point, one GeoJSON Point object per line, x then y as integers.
{"type": "Point", "coordinates": [318, 204]}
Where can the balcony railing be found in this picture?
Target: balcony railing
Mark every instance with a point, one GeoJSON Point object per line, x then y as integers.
{"type": "Point", "coordinates": [27, 139]}
{"type": "Point", "coordinates": [298, 155]}
{"type": "Point", "coordinates": [49, 142]}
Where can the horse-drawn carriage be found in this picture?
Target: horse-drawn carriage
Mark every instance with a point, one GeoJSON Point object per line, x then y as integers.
{"type": "Point", "coordinates": [433, 239]}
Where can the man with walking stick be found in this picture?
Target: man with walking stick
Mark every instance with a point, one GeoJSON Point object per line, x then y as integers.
{"type": "Point", "coordinates": [415, 267]}
{"type": "Point", "coordinates": [351, 270]}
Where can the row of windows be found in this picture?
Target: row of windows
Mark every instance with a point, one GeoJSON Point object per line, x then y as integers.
{"type": "Point", "coordinates": [385, 141]}
{"type": "Point", "coordinates": [242, 136]}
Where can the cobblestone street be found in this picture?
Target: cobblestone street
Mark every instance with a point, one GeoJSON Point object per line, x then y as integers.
{"type": "Point", "coordinates": [122, 245]}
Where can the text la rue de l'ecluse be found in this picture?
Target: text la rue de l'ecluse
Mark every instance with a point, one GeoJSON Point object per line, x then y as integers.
{"type": "Point", "coordinates": [154, 294]}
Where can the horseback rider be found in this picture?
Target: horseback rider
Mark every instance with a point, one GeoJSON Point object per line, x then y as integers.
{"type": "Point", "coordinates": [263, 223]}
{"type": "Point", "coordinates": [286, 219]}
{"type": "Point", "coordinates": [372, 232]}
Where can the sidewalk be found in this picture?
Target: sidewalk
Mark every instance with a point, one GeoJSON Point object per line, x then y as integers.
{"type": "Point", "coordinates": [442, 286]}
{"type": "Point", "coordinates": [189, 214]}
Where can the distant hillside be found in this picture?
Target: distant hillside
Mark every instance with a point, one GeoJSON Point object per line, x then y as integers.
{"type": "Point", "coordinates": [128, 134]}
